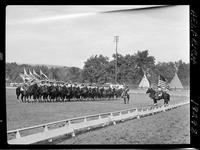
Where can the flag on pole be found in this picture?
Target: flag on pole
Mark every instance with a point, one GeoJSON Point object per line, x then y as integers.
{"type": "Point", "coordinates": [35, 78]}
{"type": "Point", "coordinates": [162, 83]}
{"type": "Point", "coordinates": [25, 73]}
{"type": "Point", "coordinates": [22, 76]}
{"type": "Point", "coordinates": [26, 76]}
{"type": "Point", "coordinates": [42, 74]}
{"type": "Point", "coordinates": [31, 75]}
{"type": "Point", "coordinates": [36, 75]}
{"type": "Point", "coordinates": [30, 72]}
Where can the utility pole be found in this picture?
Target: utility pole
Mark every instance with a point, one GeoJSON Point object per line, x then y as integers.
{"type": "Point", "coordinates": [116, 40]}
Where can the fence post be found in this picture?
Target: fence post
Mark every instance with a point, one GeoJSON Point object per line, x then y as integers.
{"type": "Point", "coordinates": [163, 108]}
{"type": "Point", "coordinates": [18, 135]}
{"type": "Point", "coordinates": [70, 126]}
{"type": "Point", "coordinates": [142, 111]}
{"type": "Point", "coordinates": [45, 128]}
{"type": "Point", "coordinates": [137, 113]}
{"type": "Point", "coordinates": [111, 118]}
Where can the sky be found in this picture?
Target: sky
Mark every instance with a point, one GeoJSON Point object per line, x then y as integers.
{"type": "Point", "coordinates": [68, 35]}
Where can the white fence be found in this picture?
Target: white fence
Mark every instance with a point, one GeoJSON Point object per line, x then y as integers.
{"type": "Point", "coordinates": [52, 130]}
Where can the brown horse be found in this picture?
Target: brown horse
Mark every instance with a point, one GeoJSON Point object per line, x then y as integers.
{"type": "Point", "coordinates": [154, 95]}
{"type": "Point", "coordinates": [21, 90]}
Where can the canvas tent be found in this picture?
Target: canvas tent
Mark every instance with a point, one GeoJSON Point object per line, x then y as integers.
{"type": "Point", "coordinates": [144, 83]}
{"type": "Point", "coordinates": [175, 83]}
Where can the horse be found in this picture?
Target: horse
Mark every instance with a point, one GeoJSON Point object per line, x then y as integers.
{"type": "Point", "coordinates": [154, 95]}
{"type": "Point", "coordinates": [21, 90]}
{"type": "Point", "coordinates": [31, 91]}
{"type": "Point", "coordinates": [44, 93]}
{"type": "Point", "coordinates": [125, 96]}
{"type": "Point", "coordinates": [18, 92]}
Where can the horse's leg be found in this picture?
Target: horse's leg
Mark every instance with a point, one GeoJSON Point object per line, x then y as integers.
{"type": "Point", "coordinates": [22, 98]}
{"type": "Point", "coordinates": [155, 102]}
{"type": "Point", "coordinates": [128, 98]}
{"type": "Point", "coordinates": [166, 101]}
{"type": "Point", "coordinates": [17, 96]}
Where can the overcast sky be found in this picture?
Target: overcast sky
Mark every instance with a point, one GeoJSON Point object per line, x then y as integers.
{"type": "Point", "coordinates": [69, 35]}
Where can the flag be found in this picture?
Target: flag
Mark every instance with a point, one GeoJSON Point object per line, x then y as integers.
{"type": "Point", "coordinates": [31, 75]}
{"type": "Point", "coordinates": [162, 83]}
{"type": "Point", "coordinates": [42, 74]}
{"type": "Point", "coordinates": [35, 74]}
{"type": "Point", "coordinates": [25, 73]}
{"type": "Point", "coordinates": [22, 76]}
{"type": "Point", "coordinates": [26, 76]}
{"type": "Point", "coordinates": [154, 85]}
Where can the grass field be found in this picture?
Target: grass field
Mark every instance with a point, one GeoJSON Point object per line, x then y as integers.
{"type": "Point", "coordinates": [28, 114]}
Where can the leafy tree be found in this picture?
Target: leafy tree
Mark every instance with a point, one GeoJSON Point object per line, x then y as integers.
{"type": "Point", "coordinates": [167, 70]}
{"type": "Point", "coordinates": [183, 73]}
{"type": "Point", "coordinates": [99, 69]}
{"type": "Point", "coordinates": [144, 61]}
{"type": "Point", "coordinates": [94, 68]}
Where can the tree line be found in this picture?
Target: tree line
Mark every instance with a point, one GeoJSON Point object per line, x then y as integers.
{"type": "Point", "coordinates": [99, 69]}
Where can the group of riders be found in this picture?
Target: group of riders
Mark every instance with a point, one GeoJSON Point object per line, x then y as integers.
{"type": "Point", "coordinates": [61, 92]}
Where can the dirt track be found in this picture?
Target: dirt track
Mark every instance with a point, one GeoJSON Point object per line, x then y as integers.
{"type": "Point", "coordinates": [171, 127]}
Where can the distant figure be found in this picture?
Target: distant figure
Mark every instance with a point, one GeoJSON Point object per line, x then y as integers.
{"type": "Point", "coordinates": [125, 94]}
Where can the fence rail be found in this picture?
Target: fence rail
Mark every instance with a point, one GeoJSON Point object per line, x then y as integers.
{"type": "Point", "coordinates": [69, 126]}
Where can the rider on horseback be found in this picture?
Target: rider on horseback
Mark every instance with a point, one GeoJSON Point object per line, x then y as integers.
{"type": "Point", "coordinates": [125, 92]}
{"type": "Point", "coordinates": [160, 91]}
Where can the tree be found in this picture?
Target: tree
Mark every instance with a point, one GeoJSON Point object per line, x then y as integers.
{"type": "Point", "coordinates": [167, 70]}
{"type": "Point", "coordinates": [144, 61]}
{"type": "Point", "coordinates": [74, 74]}
{"type": "Point", "coordinates": [94, 68]}
{"type": "Point", "coordinates": [183, 72]}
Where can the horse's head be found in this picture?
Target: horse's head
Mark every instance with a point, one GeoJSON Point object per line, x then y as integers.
{"type": "Point", "coordinates": [149, 90]}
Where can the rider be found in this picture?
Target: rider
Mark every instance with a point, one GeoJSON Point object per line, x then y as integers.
{"type": "Point", "coordinates": [125, 90]}
{"type": "Point", "coordinates": [159, 91]}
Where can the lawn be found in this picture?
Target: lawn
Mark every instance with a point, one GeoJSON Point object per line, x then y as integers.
{"type": "Point", "coordinates": [28, 114]}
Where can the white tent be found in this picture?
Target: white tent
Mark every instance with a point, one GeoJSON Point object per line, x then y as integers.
{"type": "Point", "coordinates": [175, 83]}
{"type": "Point", "coordinates": [144, 83]}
